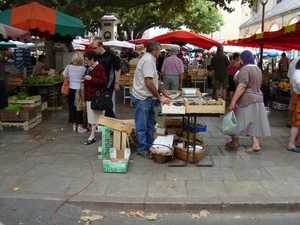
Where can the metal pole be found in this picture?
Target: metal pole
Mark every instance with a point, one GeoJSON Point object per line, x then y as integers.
{"type": "Point", "coordinates": [262, 30]}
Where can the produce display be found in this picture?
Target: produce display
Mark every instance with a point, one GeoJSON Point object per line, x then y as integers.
{"type": "Point", "coordinates": [178, 103]}
{"type": "Point", "coordinates": [42, 80]}
{"type": "Point", "coordinates": [284, 85]}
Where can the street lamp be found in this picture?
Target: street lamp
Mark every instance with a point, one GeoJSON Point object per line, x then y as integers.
{"type": "Point", "coordinates": [263, 3]}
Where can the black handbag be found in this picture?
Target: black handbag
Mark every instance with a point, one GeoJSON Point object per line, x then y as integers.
{"type": "Point", "coordinates": [100, 102]}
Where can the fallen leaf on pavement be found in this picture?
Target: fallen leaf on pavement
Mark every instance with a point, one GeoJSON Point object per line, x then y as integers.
{"type": "Point", "coordinates": [140, 213]}
{"type": "Point", "coordinates": [15, 189]}
{"type": "Point", "coordinates": [204, 213]}
{"type": "Point", "coordinates": [122, 213]}
{"type": "Point", "coordinates": [152, 216]}
{"type": "Point", "coordinates": [91, 218]}
{"type": "Point", "coordinates": [195, 216]}
{"type": "Point", "coordinates": [237, 217]}
{"type": "Point", "coordinates": [131, 214]}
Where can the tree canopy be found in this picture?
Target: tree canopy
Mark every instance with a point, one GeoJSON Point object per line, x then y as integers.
{"type": "Point", "coordinates": [136, 16]}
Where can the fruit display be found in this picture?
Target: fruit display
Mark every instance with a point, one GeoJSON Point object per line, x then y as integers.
{"type": "Point", "coordinates": [284, 85]}
{"type": "Point", "coordinates": [177, 103]}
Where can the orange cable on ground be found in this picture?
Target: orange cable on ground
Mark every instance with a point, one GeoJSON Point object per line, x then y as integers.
{"type": "Point", "coordinates": [38, 135]}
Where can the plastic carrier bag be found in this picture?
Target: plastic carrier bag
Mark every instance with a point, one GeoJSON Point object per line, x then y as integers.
{"type": "Point", "coordinates": [229, 124]}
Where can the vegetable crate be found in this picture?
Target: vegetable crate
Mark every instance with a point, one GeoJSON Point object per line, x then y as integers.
{"type": "Point", "coordinates": [24, 114]}
{"type": "Point", "coordinates": [21, 126]}
{"type": "Point", "coordinates": [32, 101]}
{"type": "Point", "coordinates": [14, 81]}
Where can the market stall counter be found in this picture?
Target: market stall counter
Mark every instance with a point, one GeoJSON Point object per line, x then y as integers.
{"type": "Point", "coordinates": [189, 108]}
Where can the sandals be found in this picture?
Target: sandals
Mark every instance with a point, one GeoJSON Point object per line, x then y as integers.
{"type": "Point", "coordinates": [251, 150]}
{"type": "Point", "coordinates": [89, 142]}
{"type": "Point", "coordinates": [146, 154]}
{"type": "Point", "coordinates": [229, 145]}
{"type": "Point", "coordinates": [295, 149]}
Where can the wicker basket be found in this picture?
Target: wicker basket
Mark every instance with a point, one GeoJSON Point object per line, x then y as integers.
{"type": "Point", "coordinates": [160, 159]}
{"type": "Point", "coordinates": [180, 153]}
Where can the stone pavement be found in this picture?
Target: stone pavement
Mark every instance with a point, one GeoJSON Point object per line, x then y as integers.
{"type": "Point", "coordinates": [50, 162]}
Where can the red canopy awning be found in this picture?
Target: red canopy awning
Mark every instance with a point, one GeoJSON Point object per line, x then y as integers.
{"type": "Point", "coordinates": [287, 38]}
{"type": "Point", "coordinates": [182, 37]}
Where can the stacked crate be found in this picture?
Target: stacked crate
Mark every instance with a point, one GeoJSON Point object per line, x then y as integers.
{"type": "Point", "coordinates": [22, 60]}
{"type": "Point", "coordinates": [28, 116]}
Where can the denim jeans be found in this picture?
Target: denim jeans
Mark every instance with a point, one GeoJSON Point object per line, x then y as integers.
{"type": "Point", "coordinates": [144, 116]}
{"type": "Point", "coordinates": [110, 113]}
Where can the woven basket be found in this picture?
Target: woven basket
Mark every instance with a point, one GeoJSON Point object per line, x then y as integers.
{"type": "Point", "coordinates": [180, 153]}
{"type": "Point", "coordinates": [160, 159]}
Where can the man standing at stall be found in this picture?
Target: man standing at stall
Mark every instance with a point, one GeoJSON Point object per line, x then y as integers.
{"type": "Point", "coordinates": [219, 64]}
{"type": "Point", "coordinates": [145, 89]}
{"type": "Point", "coordinates": [113, 70]}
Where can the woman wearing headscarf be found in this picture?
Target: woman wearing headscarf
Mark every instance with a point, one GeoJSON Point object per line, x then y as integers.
{"type": "Point", "coordinates": [248, 104]}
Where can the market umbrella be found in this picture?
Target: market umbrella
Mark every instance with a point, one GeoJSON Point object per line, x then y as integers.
{"type": "Point", "coordinates": [43, 22]}
{"type": "Point", "coordinates": [182, 37]}
{"type": "Point", "coordinates": [9, 32]}
{"type": "Point", "coordinates": [119, 44]}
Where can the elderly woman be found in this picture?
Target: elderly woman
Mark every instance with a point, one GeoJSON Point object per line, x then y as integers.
{"type": "Point", "coordinates": [248, 103]}
{"type": "Point", "coordinates": [94, 81]}
{"type": "Point", "coordinates": [295, 130]}
{"type": "Point", "coordinates": [75, 73]}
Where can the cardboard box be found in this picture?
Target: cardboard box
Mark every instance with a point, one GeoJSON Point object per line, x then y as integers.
{"type": "Point", "coordinates": [103, 151]}
{"type": "Point", "coordinates": [117, 161]}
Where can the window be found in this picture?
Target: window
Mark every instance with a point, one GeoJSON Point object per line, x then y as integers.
{"type": "Point", "coordinates": [254, 8]}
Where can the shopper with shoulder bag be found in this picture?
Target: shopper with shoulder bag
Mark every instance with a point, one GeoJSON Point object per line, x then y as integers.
{"type": "Point", "coordinates": [75, 73]}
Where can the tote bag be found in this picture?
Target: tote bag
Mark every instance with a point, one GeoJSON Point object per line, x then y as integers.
{"type": "Point", "coordinates": [66, 85]}
{"type": "Point", "coordinates": [80, 100]}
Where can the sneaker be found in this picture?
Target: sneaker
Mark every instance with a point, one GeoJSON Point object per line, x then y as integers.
{"type": "Point", "coordinates": [98, 130]}
{"type": "Point", "coordinates": [146, 154]}
{"type": "Point", "coordinates": [81, 130]}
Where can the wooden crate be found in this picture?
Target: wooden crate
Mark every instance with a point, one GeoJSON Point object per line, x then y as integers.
{"type": "Point", "coordinates": [24, 114]}
{"type": "Point", "coordinates": [205, 106]}
{"type": "Point", "coordinates": [173, 109]}
{"type": "Point", "coordinates": [56, 108]}
{"type": "Point", "coordinates": [44, 114]}
{"type": "Point", "coordinates": [35, 101]}
{"type": "Point", "coordinates": [14, 81]}
{"type": "Point", "coordinates": [120, 125]}
{"type": "Point", "coordinates": [173, 125]}
{"type": "Point", "coordinates": [20, 126]}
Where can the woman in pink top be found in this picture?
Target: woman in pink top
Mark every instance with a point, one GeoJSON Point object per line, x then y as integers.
{"type": "Point", "coordinates": [235, 65]}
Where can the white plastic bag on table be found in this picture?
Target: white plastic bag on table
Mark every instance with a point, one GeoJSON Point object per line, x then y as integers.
{"type": "Point", "coordinates": [229, 124]}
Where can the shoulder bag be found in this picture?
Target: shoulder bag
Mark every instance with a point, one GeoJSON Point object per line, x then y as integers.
{"type": "Point", "coordinates": [65, 86]}
{"type": "Point", "coordinates": [100, 102]}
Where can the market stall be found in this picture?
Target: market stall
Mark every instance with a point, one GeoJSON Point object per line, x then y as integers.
{"type": "Point", "coordinates": [189, 105]}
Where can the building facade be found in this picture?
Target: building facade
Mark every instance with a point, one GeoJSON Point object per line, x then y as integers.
{"type": "Point", "coordinates": [278, 13]}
